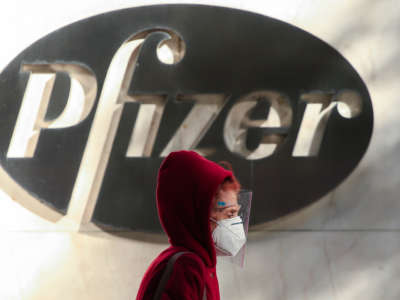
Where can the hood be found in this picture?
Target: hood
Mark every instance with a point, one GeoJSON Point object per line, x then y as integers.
{"type": "Point", "coordinates": [186, 185]}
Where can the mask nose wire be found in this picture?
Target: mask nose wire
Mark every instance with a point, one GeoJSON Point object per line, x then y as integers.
{"type": "Point", "coordinates": [227, 227]}
{"type": "Point", "coordinates": [212, 219]}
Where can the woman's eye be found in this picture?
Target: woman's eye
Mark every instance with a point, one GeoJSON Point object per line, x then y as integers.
{"type": "Point", "coordinates": [228, 210]}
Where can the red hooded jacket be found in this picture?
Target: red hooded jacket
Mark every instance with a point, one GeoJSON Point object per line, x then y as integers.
{"type": "Point", "coordinates": [186, 185]}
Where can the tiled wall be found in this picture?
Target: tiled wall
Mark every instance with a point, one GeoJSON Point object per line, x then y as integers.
{"type": "Point", "coordinates": [347, 246]}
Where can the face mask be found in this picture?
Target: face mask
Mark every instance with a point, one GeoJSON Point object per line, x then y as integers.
{"type": "Point", "coordinates": [229, 236]}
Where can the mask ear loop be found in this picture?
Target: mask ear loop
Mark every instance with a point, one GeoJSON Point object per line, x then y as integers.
{"type": "Point", "coordinates": [212, 219]}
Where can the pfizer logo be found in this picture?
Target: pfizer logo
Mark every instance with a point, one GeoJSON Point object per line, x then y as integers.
{"type": "Point", "coordinates": [89, 111]}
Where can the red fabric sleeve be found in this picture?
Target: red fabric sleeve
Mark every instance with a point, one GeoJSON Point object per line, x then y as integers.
{"type": "Point", "coordinates": [186, 281]}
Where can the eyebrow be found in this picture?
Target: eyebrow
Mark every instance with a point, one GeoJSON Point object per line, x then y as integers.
{"type": "Point", "coordinates": [227, 206]}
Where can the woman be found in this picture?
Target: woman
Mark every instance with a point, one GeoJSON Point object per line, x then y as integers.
{"type": "Point", "coordinates": [194, 195]}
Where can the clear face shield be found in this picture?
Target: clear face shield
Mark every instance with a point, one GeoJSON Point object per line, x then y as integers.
{"type": "Point", "coordinates": [230, 235]}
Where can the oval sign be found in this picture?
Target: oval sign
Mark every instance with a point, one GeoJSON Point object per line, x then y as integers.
{"type": "Point", "coordinates": [90, 111]}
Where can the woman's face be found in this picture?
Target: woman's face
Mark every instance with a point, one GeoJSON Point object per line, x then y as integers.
{"type": "Point", "coordinates": [224, 206]}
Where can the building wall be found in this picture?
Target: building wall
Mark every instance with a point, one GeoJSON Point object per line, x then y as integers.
{"type": "Point", "coordinates": [346, 246]}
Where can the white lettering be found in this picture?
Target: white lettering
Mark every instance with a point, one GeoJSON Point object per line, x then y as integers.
{"type": "Point", "coordinates": [31, 118]}
{"type": "Point", "coordinates": [197, 122]}
{"type": "Point", "coordinates": [105, 123]}
{"type": "Point", "coordinates": [319, 106]}
{"type": "Point", "coordinates": [238, 123]}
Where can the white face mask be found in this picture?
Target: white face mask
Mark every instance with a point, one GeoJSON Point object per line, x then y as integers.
{"type": "Point", "coordinates": [229, 236]}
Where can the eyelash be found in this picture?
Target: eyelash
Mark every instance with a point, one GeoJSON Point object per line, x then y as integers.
{"type": "Point", "coordinates": [228, 211]}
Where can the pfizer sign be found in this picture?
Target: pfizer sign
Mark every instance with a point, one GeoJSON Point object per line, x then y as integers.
{"type": "Point", "coordinates": [89, 111]}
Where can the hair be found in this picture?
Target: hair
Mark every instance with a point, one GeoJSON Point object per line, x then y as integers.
{"type": "Point", "coordinates": [230, 183]}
